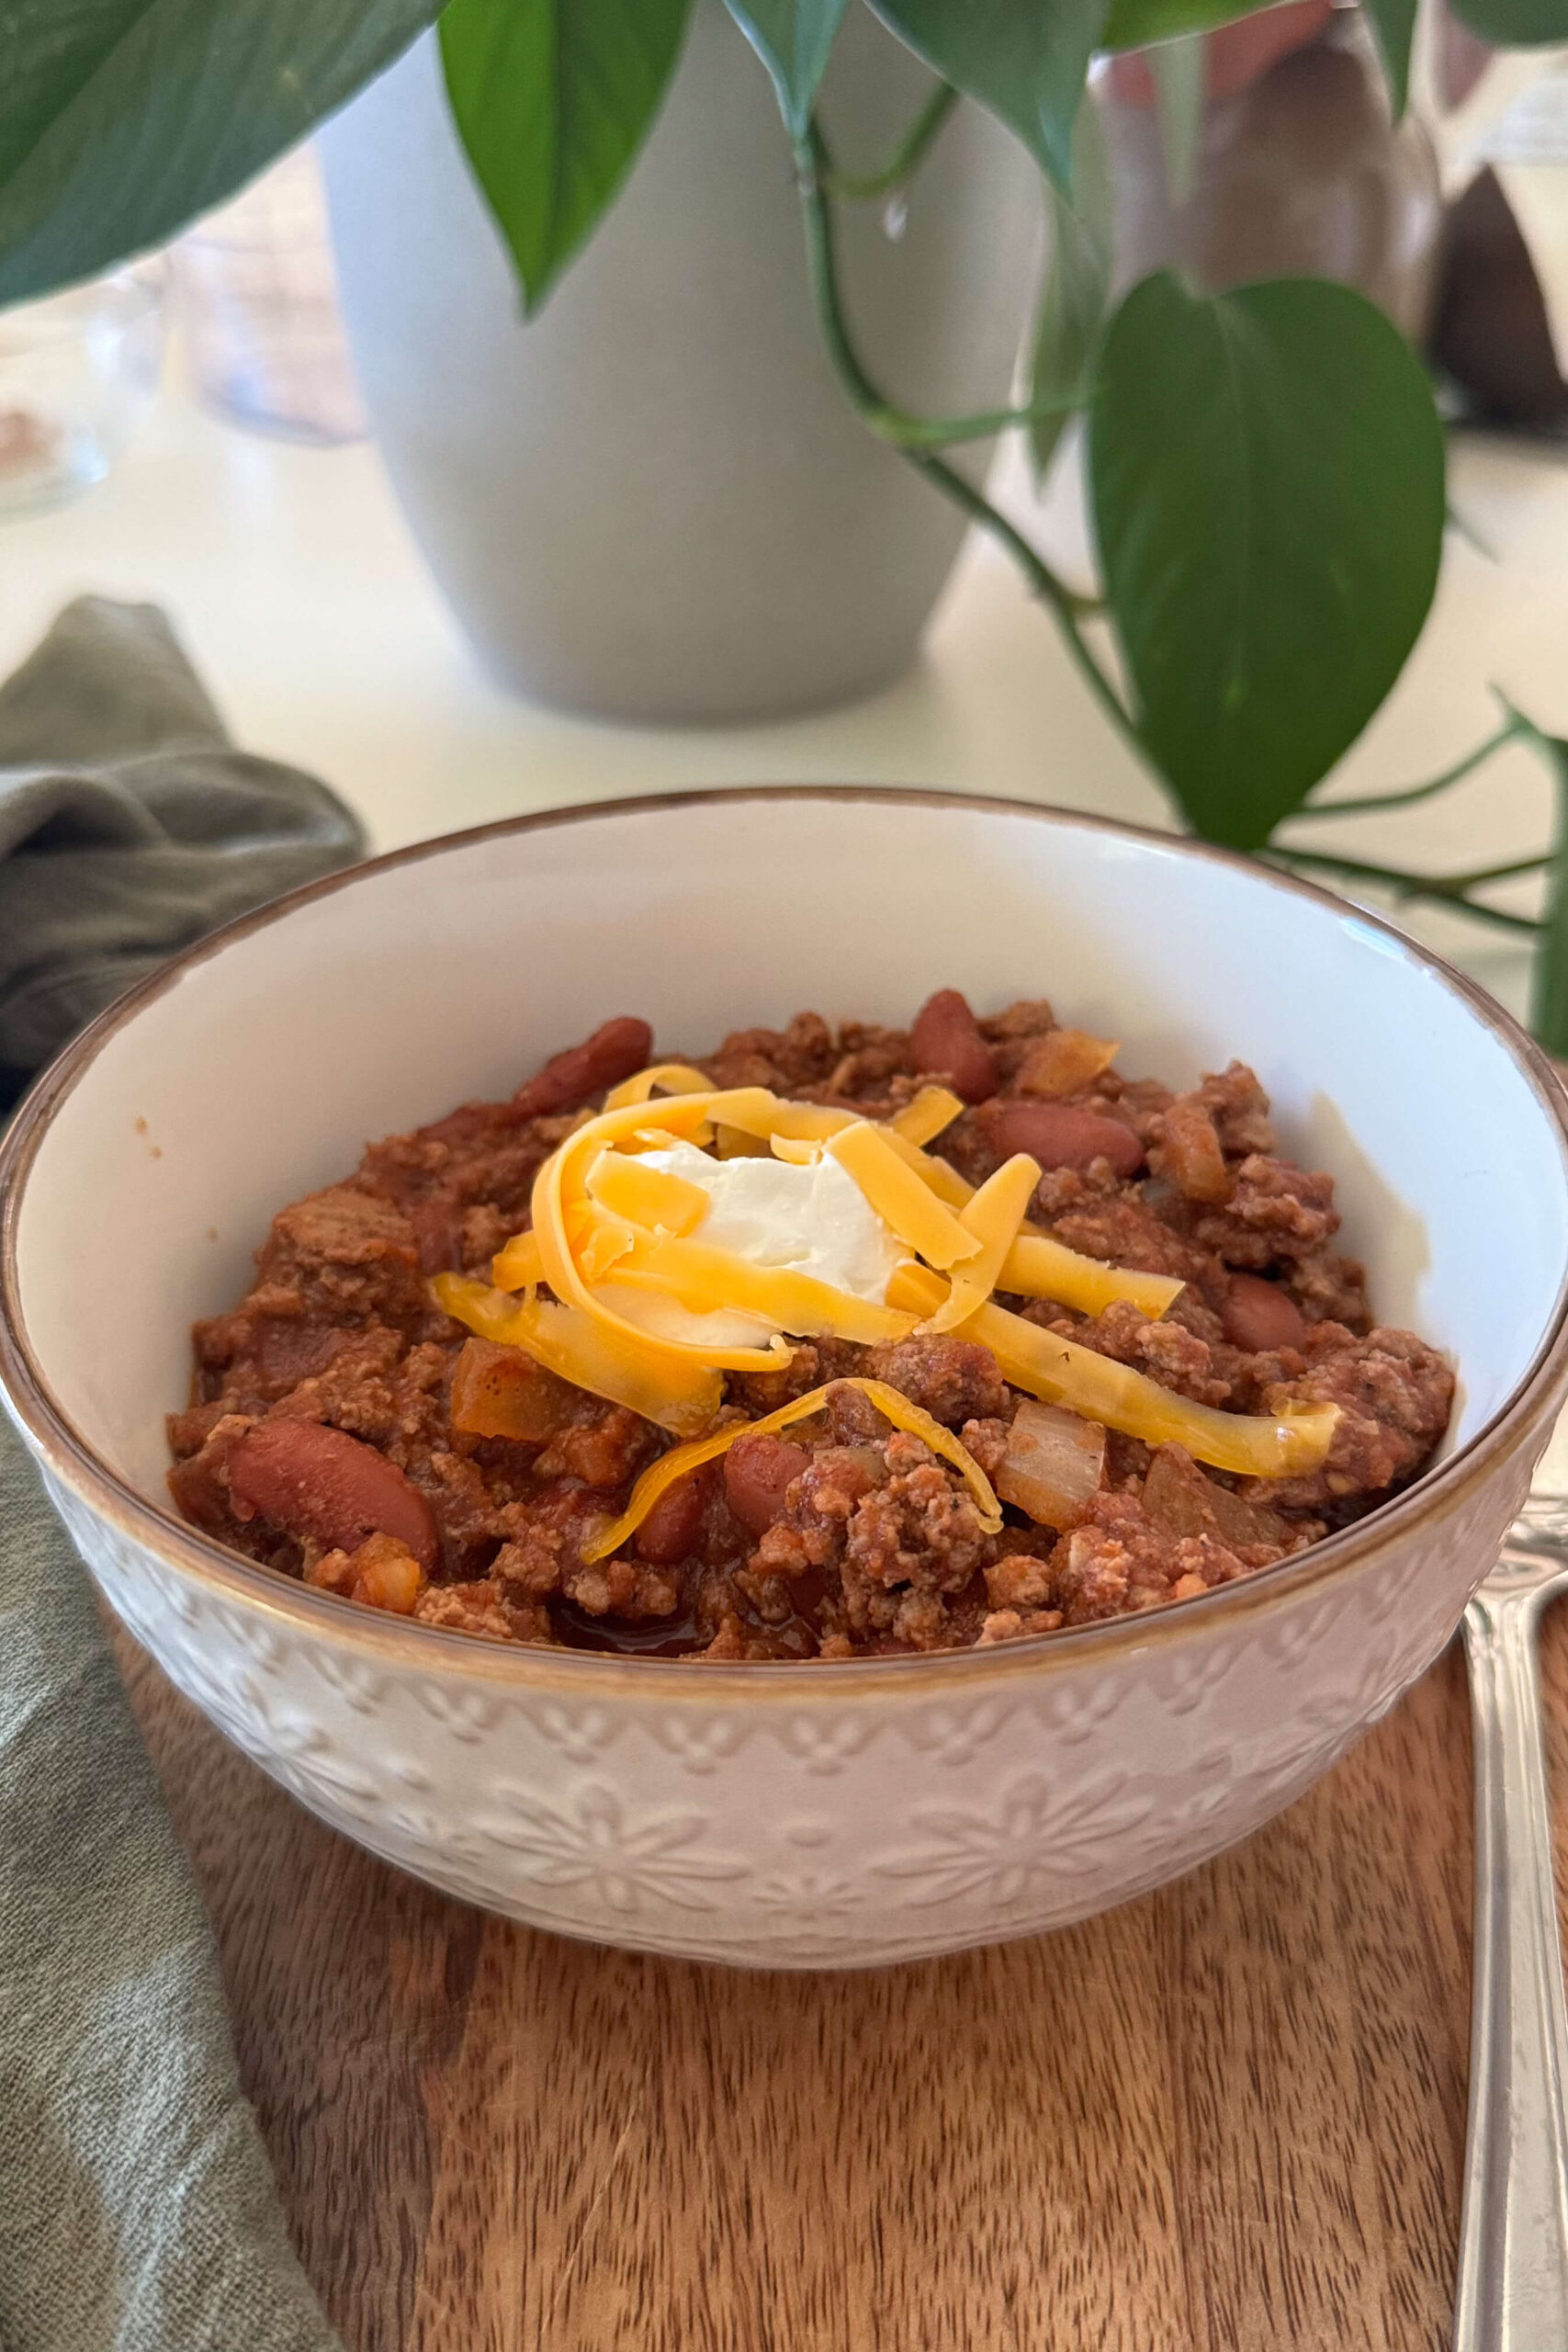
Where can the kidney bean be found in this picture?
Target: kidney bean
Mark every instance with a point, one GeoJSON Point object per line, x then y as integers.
{"type": "Point", "coordinates": [615, 1049]}
{"type": "Point", "coordinates": [673, 1527]}
{"type": "Point", "coordinates": [1061, 1134]}
{"type": "Point", "coordinates": [1260, 1316]}
{"type": "Point", "coordinates": [757, 1470]}
{"type": "Point", "coordinates": [945, 1041]}
{"type": "Point", "coordinates": [322, 1484]}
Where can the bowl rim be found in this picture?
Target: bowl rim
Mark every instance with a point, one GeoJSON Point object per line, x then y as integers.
{"type": "Point", "coordinates": [300, 1609]}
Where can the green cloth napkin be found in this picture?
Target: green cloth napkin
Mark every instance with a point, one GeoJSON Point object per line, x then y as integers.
{"type": "Point", "coordinates": [138, 2212]}
{"type": "Point", "coordinates": [128, 823]}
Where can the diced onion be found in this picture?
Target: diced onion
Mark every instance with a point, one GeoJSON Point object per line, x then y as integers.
{"type": "Point", "coordinates": [682, 1397]}
{"type": "Point", "coordinates": [1054, 1463]}
{"type": "Point", "coordinates": [1063, 1060]}
{"type": "Point", "coordinates": [499, 1391]}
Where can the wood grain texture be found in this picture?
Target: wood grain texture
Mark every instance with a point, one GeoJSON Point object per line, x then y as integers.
{"type": "Point", "coordinates": [1230, 2115]}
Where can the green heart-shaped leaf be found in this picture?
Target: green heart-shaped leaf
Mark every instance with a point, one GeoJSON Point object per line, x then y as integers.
{"type": "Point", "coordinates": [1025, 60]}
{"type": "Point", "coordinates": [1267, 475]}
{"type": "Point", "coordinates": [1393, 30]}
{"type": "Point", "coordinates": [1515, 24]}
{"type": "Point", "coordinates": [122, 120]}
{"type": "Point", "coordinates": [553, 98]}
{"type": "Point", "coordinates": [1135, 24]}
{"type": "Point", "coordinates": [794, 39]}
{"type": "Point", "coordinates": [1142, 23]}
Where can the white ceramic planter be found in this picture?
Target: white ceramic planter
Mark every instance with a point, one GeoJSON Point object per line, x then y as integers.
{"type": "Point", "coordinates": [781, 1816]}
{"type": "Point", "coordinates": [653, 502]}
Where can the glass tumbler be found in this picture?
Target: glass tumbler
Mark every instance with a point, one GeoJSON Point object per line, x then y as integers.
{"type": "Point", "coordinates": [78, 371]}
{"type": "Point", "coordinates": [258, 308]}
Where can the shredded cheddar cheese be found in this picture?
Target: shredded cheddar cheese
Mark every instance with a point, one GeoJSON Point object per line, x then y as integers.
{"type": "Point", "coordinates": [519, 1265]}
{"type": "Point", "coordinates": [682, 1398]}
{"type": "Point", "coordinates": [1060, 1372]}
{"type": "Point", "coordinates": [650, 1196]}
{"type": "Point", "coordinates": [670, 1077]}
{"type": "Point", "coordinates": [1037, 1267]}
{"type": "Point", "coordinates": [992, 1218]}
{"type": "Point", "coordinates": [683, 1459]}
{"type": "Point", "coordinates": [707, 1281]}
{"type": "Point", "coordinates": [604, 1224]}
{"type": "Point", "coordinates": [899, 1197]}
{"type": "Point", "coordinates": [932, 1109]}
{"type": "Point", "coordinates": [560, 1190]}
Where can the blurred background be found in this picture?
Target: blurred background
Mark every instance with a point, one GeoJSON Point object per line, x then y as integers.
{"type": "Point", "coordinates": [263, 429]}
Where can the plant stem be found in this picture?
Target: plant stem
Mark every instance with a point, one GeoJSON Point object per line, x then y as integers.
{"type": "Point", "coordinates": [905, 432]}
{"type": "Point", "coordinates": [1509, 732]}
{"type": "Point", "coordinates": [863, 187]}
{"type": "Point", "coordinates": [1438, 889]}
{"type": "Point", "coordinates": [1068, 608]}
{"type": "Point", "coordinates": [814, 171]}
{"type": "Point", "coordinates": [1482, 873]}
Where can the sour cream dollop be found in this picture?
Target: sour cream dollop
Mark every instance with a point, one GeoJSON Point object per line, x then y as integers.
{"type": "Point", "coordinates": [811, 1220]}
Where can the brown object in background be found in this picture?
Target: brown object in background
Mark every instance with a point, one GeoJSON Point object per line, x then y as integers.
{"type": "Point", "coordinates": [1491, 333]}
{"type": "Point", "coordinates": [1462, 58]}
{"type": "Point", "coordinates": [1300, 172]}
{"type": "Point", "coordinates": [29, 442]}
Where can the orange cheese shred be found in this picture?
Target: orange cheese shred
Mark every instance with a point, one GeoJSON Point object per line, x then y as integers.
{"type": "Point", "coordinates": [932, 1110]}
{"type": "Point", "coordinates": [560, 1193]}
{"type": "Point", "coordinates": [708, 1280]}
{"type": "Point", "coordinates": [519, 1265]}
{"type": "Point", "coordinates": [670, 1078]}
{"type": "Point", "coordinates": [1037, 1267]}
{"type": "Point", "coordinates": [1060, 1372]}
{"type": "Point", "coordinates": [899, 1197]}
{"type": "Point", "coordinates": [647, 1196]}
{"type": "Point", "coordinates": [682, 1459]}
{"type": "Point", "coordinates": [992, 1218]}
{"type": "Point", "coordinates": [682, 1400]}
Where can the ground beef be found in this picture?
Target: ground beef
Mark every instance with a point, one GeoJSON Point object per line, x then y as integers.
{"type": "Point", "coordinates": [951, 1379]}
{"type": "Point", "coordinates": [1127, 1230]}
{"type": "Point", "coordinates": [1169, 1353]}
{"type": "Point", "coordinates": [846, 1535]}
{"type": "Point", "coordinates": [1395, 1394]}
{"type": "Point", "coordinates": [1119, 1561]}
{"type": "Point", "coordinates": [787, 1060]}
{"type": "Point", "coordinates": [1273, 1212]}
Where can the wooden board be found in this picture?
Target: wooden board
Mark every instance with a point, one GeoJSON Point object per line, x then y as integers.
{"type": "Point", "coordinates": [1228, 2117]}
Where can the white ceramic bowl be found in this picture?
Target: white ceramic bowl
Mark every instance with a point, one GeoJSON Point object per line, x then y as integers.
{"type": "Point", "coordinates": [781, 1815]}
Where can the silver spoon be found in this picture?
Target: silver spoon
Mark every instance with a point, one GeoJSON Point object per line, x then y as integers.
{"type": "Point", "coordinates": [1513, 2264]}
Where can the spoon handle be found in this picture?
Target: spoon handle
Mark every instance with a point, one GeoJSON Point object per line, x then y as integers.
{"type": "Point", "coordinates": [1513, 2266]}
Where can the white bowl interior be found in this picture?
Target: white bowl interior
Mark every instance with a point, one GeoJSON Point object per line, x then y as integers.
{"type": "Point", "coordinates": [263, 1070]}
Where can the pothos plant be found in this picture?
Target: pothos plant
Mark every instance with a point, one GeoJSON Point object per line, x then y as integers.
{"type": "Point", "coordinates": [1265, 466]}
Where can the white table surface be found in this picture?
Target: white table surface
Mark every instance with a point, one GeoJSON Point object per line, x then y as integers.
{"type": "Point", "coordinates": [298, 591]}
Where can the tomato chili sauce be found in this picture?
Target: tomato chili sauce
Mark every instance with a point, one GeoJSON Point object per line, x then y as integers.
{"type": "Point", "coordinates": [847, 1499]}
